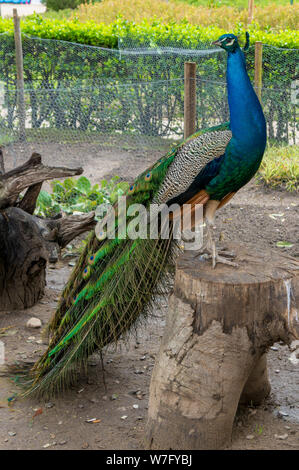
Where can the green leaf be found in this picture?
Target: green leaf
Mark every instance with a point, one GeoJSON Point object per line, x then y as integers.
{"type": "Point", "coordinates": [283, 244]}
{"type": "Point", "coordinates": [44, 198]}
{"type": "Point", "coordinates": [69, 183]}
{"type": "Point", "coordinates": [58, 188]}
{"type": "Point", "coordinates": [83, 184]}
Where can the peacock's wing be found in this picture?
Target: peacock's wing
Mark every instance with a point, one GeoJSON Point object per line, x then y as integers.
{"type": "Point", "coordinates": [191, 158]}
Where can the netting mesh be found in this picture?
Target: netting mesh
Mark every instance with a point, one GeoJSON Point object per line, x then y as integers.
{"type": "Point", "coordinates": [82, 98]}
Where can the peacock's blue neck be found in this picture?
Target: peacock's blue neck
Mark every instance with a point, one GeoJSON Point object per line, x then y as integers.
{"type": "Point", "coordinates": [247, 120]}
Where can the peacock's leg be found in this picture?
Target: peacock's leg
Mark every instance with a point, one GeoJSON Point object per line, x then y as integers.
{"type": "Point", "coordinates": [210, 249]}
{"type": "Point", "coordinates": [218, 256]}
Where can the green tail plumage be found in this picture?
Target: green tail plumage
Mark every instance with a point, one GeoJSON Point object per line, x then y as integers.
{"type": "Point", "coordinates": [113, 283]}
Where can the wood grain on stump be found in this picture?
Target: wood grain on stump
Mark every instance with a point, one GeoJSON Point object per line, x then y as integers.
{"type": "Point", "coordinates": [219, 326]}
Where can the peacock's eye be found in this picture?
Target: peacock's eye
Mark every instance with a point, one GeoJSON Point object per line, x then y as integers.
{"type": "Point", "coordinates": [91, 259]}
{"type": "Point", "coordinates": [100, 233]}
{"type": "Point", "coordinates": [131, 189]}
{"type": "Point", "coordinates": [230, 42]}
{"type": "Point", "coordinates": [148, 176]}
{"type": "Point", "coordinates": [86, 273]}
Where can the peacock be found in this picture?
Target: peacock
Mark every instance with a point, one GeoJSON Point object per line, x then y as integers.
{"type": "Point", "coordinates": [117, 280]}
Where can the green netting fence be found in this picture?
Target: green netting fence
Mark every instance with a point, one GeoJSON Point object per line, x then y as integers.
{"type": "Point", "coordinates": [131, 98]}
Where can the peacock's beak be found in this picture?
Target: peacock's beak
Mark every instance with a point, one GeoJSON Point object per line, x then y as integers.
{"type": "Point", "coordinates": [216, 43]}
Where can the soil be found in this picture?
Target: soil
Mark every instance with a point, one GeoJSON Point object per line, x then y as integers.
{"type": "Point", "coordinates": [255, 215]}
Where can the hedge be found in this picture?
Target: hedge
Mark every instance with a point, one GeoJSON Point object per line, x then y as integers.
{"type": "Point", "coordinates": [106, 35]}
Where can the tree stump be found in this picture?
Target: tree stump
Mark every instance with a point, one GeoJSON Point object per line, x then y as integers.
{"type": "Point", "coordinates": [28, 241]}
{"type": "Point", "coordinates": [219, 326]}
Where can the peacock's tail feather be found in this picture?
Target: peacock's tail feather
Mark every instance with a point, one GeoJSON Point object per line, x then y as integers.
{"type": "Point", "coordinates": [108, 305]}
{"type": "Point", "coordinates": [114, 282]}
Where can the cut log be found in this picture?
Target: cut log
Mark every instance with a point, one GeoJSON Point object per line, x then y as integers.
{"type": "Point", "coordinates": [219, 326]}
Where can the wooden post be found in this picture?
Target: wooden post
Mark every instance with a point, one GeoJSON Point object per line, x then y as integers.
{"type": "Point", "coordinates": [190, 99]}
{"type": "Point", "coordinates": [20, 75]}
{"type": "Point", "coordinates": [219, 326]}
{"type": "Point", "coordinates": [258, 68]}
{"type": "Point", "coordinates": [250, 10]}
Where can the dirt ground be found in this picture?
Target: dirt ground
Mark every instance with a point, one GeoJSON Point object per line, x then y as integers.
{"type": "Point", "coordinates": [255, 215]}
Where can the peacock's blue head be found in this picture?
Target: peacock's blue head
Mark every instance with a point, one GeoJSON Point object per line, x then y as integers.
{"type": "Point", "coordinates": [228, 42]}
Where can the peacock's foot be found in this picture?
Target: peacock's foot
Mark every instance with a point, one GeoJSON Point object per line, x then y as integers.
{"type": "Point", "coordinates": [221, 255]}
{"type": "Point", "coordinates": [210, 251]}
{"type": "Point", "coordinates": [221, 259]}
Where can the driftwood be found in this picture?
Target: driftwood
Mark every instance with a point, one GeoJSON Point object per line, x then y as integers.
{"type": "Point", "coordinates": [219, 327]}
{"type": "Point", "coordinates": [30, 174]}
{"type": "Point", "coordinates": [28, 241]}
{"type": "Point", "coordinates": [64, 229]}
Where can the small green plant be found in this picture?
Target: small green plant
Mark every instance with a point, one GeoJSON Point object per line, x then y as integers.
{"type": "Point", "coordinates": [78, 196]}
{"type": "Point", "coordinates": [259, 428]}
{"type": "Point", "coordinates": [280, 167]}
{"type": "Point", "coordinates": [46, 206]}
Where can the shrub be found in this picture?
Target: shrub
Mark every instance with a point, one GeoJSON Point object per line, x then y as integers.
{"type": "Point", "coordinates": [57, 5]}
{"type": "Point", "coordinates": [61, 4]}
{"type": "Point", "coordinates": [272, 16]}
{"type": "Point", "coordinates": [106, 35]}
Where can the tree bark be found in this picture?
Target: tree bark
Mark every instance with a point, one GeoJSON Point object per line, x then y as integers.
{"type": "Point", "coordinates": [28, 203]}
{"type": "Point", "coordinates": [219, 326]}
{"type": "Point", "coordinates": [64, 229]}
{"type": "Point", "coordinates": [23, 258]}
{"type": "Point", "coordinates": [257, 386]}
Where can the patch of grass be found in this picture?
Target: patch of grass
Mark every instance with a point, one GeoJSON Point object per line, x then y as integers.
{"type": "Point", "coordinates": [6, 139]}
{"type": "Point", "coordinates": [280, 167]}
{"type": "Point", "coordinates": [228, 16]}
